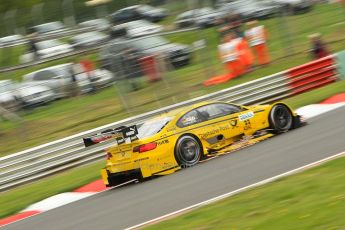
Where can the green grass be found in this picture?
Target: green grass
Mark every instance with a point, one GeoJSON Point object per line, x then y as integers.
{"type": "Point", "coordinates": [69, 116]}
{"type": "Point", "coordinates": [17, 199]}
{"type": "Point", "coordinates": [314, 199]}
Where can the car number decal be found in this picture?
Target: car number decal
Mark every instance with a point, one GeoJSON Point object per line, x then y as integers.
{"type": "Point", "coordinates": [246, 116]}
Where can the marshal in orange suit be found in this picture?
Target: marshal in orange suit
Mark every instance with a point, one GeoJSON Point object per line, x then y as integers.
{"type": "Point", "coordinates": [256, 35]}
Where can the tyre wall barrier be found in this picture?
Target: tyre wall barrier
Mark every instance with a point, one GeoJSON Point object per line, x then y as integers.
{"type": "Point", "coordinates": [313, 75]}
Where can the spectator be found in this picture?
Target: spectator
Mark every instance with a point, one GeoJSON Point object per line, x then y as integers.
{"type": "Point", "coordinates": [257, 38]}
{"type": "Point", "coordinates": [318, 47]}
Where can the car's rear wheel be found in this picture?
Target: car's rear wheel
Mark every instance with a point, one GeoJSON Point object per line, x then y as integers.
{"type": "Point", "coordinates": [188, 151]}
{"type": "Point", "coordinates": [280, 118]}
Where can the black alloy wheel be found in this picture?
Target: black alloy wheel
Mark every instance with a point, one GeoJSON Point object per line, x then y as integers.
{"type": "Point", "coordinates": [280, 118]}
{"type": "Point", "coordinates": [188, 151]}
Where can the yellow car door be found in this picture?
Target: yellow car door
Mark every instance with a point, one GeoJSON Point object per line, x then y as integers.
{"type": "Point", "coordinates": [222, 125]}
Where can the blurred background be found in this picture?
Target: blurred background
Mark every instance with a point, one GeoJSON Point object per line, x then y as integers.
{"type": "Point", "coordinates": [72, 65]}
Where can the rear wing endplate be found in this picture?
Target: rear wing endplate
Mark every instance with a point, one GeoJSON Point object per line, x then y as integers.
{"type": "Point", "coordinates": [120, 134]}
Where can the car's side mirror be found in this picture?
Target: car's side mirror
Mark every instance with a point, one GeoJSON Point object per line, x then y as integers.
{"type": "Point", "coordinates": [244, 108]}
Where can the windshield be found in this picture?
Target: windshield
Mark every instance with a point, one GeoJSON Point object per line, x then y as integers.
{"type": "Point", "coordinates": [152, 127]}
{"type": "Point", "coordinates": [148, 42]}
{"type": "Point", "coordinates": [47, 44]}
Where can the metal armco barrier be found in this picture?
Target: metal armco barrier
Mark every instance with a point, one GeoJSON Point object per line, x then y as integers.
{"type": "Point", "coordinates": [47, 159]}
{"type": "Point", "coordinates": [313, 75]}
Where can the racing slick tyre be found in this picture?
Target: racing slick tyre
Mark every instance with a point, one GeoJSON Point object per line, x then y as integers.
{"type": "Point", "coordinates": [280, 118]}
{"type": "Point", "coordinates": [188, 151]}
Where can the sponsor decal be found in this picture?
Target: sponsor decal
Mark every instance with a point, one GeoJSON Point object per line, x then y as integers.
{"type": "Point", "coordinates": [163, 142]}
{"type": "Point", "coordinates": [209, 133]}
{"type": "Point", "coordinates": [233, 123]}
{"type": "Point", "coordinates": [171, 129]}
{"type": "Point", "coordinates": [246, 116]}
{"type": "Point", "coordinates": [215, 131]}
{"type": "Point", "coordinates": [247, 125]}
{"type": "Point", "coordinates": [141, 159]}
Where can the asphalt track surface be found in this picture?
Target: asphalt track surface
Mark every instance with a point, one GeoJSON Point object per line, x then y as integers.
{"type": "Point", "coordinates": [131, 205]}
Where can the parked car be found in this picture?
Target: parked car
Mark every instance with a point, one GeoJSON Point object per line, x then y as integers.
{"type": "Point", "coordinates": [59, 78]}
{"type": "Point", "coordinates": [88, 39]}
{"type": "Point", "coordinates": [47, 49]}
{"type": "Point", "coordinates": [7, 99]}
{"type": "Point", "coordinates": [138, 12]}
{"type": "Point", "coordinates": [100, 24]}
{"type": "Point", "coordinates": [135, 29]}
{"type": "Point", "coordinates": [25, 94]}
{"type": "Point", "coordinates": [249, 9]}
{"type": "Point", "coordinates": [102, 78]}
{"type": "Point", "coordinates": [203, 17]}
{"type": "Point", "coordinates": [48, 28]}
{"type": "Point", "coordinates": [294, 6]}
{"type": "Point", "coordinates": [10, 40]}
{"type": "Point", "coordinates": [177, 54]}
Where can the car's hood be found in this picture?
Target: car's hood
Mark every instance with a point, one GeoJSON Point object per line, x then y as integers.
{"type": "Point", "coordinates": [56, 49]}
{"type": "Point", "coordinates": [145, 29]}
{"type": "Point", "coordinates": [6, 96]}
{"type": "Point", "coordinates": [26, 90]}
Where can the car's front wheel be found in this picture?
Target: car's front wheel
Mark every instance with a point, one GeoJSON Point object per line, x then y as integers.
{"type": "Point", "coordinates": [188, 151]}
{"type": "Point", "coordinates": [280, 118]}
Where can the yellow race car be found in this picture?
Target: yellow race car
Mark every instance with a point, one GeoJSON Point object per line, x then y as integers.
{"type": "Point", "coordinates": [182, 137]}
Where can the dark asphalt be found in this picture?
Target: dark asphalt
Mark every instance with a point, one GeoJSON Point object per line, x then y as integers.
{"type": "Point", "coordinates": [134, 204]}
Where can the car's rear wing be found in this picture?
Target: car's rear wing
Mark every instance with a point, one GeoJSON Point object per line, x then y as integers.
{"type": "Point", "coordinates": [120, 134]}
